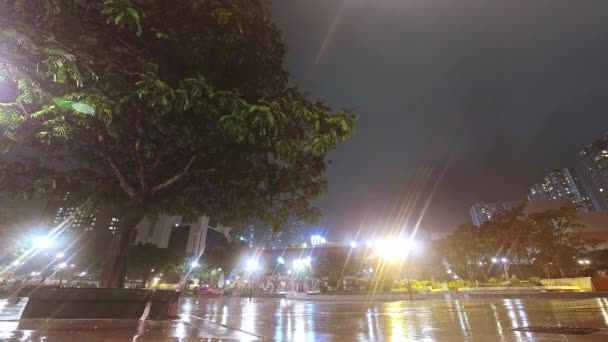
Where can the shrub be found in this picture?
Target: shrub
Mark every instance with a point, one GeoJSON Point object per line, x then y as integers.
{"type": "Point", "coordinates": [458, 284]}
{"type": "Point", "coordinates": [388, 282]}
{"type": "Point", "coordinates": [435, 285]}
{"type": "Point", "coordinates": [332, 281]}
{"type": "Point", "coordinates": [535, 281]}
{"type": "Point", "coordinates": [493, 281]}
{"type": "Point", "coordinates": [514, 281]}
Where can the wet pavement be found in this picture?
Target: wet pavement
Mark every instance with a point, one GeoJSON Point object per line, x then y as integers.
{"type": "Point", "coordinates": [295, 320]}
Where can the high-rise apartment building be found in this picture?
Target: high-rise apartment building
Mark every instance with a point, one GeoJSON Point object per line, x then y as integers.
{"type": "Point", "coordinates": [292, 234]}
{"type": "Point", "coordinates": [65, 211]}
{"type": "Point", "coordinates": [595, 160]}
{"type": "Point", "coordinates": [484, 212]}
{"type": "Point", "coordinates": [562, 184]}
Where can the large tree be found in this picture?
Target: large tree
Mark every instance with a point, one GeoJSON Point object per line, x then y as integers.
{"type": "Point", "coordinates": [558, 240]}
{"type": "Point", "coordinates": [179, 107]}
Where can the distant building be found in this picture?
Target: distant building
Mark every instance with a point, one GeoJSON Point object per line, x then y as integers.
{"type": "Point", "coordinates": [181, 238]}
{"type": "Point", "coordinates": [292, 234]}
{"type": "Point", "coordinates": [595, 165]}
{"type": "Point", "coordinates": [250, 235]}
{"type": "Point", "coordinates": [562, 184]}
{"type": "Point", "coordinates": [67, 212]}
{"type": "Point", "coordinates": [483, 212]}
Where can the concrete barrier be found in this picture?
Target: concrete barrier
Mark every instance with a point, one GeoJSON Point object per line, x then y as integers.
{"type": "Point", "coordinates": [74, 303]}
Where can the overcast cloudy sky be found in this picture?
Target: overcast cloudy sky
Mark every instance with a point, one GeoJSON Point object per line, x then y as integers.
{"type": "Point", "coordinates": [499, 91]}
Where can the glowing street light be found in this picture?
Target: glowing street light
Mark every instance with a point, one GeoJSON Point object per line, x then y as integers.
{"type": "Point", "coordinates": [194, 264]}
{"type": "Point", "coordinates": [252, 265]}
{"type": "Point", "coordinates": [43, 242]}
{"type": "Point", "coordinates": [353, 244]}
{"type": "Point", "coordinates": [280, 261]}
{"type": "Point", "coordinates": [59, 255]}
{"type": "Point", "coordinates": [62, 265]}
{"type": "Point", "coordinates": [391, 250]}
{"type": "Point", "coordinates": [317, 240]}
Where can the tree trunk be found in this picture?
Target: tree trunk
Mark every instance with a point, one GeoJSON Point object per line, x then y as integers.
{"type": "Point", "coordinates": [115, 263]}
{"type": "Point", "coordinates": [561, 271]}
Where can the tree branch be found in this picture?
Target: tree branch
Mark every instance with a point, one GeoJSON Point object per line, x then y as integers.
{"type": "Point", "coordinates": [160, 152]}
{"type": "Point", "coordinates": [137, 148]}
{"type": "Point", "coordinates": [203, 171]}
{"type": "Point", "coordinates": [176, 177]}
{"type": "Point", "coordinates": [121, 179]}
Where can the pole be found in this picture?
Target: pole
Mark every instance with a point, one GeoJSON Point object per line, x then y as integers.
{"type": "Point", "coordinates": [409, 286]}
{"type": "Point", "coordinates": [61, 277]}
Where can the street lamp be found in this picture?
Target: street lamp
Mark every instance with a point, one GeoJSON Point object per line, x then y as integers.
{"type": "Point", "coordinates": [59, 255]}
{"type": "Point", "coordinates": [194, 264]}
{"type": "Point", "coordinates": [353, 244]}
{"type": "Point", "coordinates": [43, 242]}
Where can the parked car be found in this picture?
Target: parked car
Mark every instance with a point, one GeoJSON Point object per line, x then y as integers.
{"type": "Point", "coordinates": [208, 290]}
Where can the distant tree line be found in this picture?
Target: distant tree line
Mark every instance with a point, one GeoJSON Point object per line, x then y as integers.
{"type": "Point", "coordinates": [548, 243]}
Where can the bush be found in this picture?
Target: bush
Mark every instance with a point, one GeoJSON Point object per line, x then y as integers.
{"type": "Point", "coordinates": [514, 281]}
{"type": "Point", "coordinates": [435, 285]}
{"type": "Point", "coordinates": [493, 281]}
{"type": "Point", "coordinates": [458, 284]}
{"type": "Point", "coordinates": [332, 281]}
{"type": "Point", "coordinates": [388, 283]}
{"type": "Point", "coordinates": [535, 281]}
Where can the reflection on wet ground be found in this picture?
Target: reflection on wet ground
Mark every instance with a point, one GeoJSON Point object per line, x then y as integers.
{"type": "Point", "coordinates": [290, 320]}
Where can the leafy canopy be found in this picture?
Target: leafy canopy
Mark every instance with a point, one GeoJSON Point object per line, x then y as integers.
{"type": "Point", "coordinates": [180, 107]}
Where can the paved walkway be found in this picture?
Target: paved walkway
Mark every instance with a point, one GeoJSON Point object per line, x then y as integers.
{"type": "Point", "coordinates": [238, 319]}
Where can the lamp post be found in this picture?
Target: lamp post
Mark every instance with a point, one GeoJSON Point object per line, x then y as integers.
{"type": "Point", "coordinates": [61, 267]}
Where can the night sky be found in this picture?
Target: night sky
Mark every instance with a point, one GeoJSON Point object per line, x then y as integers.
{"type": "Point", "coordinates": [496, 92]}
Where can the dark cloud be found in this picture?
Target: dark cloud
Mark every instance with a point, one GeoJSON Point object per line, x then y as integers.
{"type": "Point", "coordinates": [503, 90]}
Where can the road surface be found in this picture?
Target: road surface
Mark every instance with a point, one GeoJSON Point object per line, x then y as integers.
{"type": "Point", "coordinates": [295, 320]}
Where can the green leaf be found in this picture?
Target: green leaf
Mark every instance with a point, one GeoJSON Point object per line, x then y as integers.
{"type": "Point", "coordinates": [62, 103]}
{"type": "Point", "coordinates": [83, 108]}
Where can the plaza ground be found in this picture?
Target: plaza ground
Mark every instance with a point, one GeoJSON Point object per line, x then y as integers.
{"type": "Point", "coordinates": [269, 319]}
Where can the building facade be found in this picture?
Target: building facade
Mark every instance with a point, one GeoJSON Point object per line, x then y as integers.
{"type": "Point", "coordinates": [187, 239]}
{"type": "Point", "coordinates": [484, 212]}
{"type": "Point", "coordinates": [563, 184]}
{"type": "Point", "coordinates": [594, 158]}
